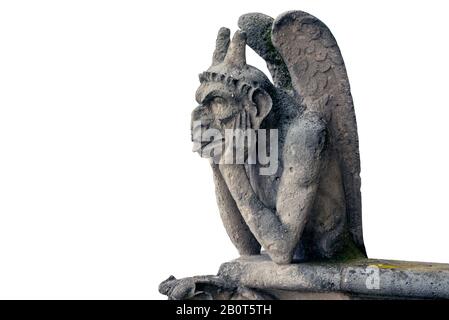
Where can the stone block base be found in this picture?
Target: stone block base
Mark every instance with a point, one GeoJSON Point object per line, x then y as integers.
{"type": "Point", "coordinates": [257, 277]}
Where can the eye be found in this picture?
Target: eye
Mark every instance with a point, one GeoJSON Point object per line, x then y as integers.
{"type": "Point", "coordinates": [220, 108]}
{"type": "Point", "coordinates": [218, 101]}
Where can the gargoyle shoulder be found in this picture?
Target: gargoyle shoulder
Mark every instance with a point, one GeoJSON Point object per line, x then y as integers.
{"type": "Point", "coordinates": [304, 147]}
{"type": "Point", "coordinates": [307, 134]}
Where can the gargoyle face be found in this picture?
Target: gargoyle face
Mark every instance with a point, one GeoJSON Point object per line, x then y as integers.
{"type": "Point", "coordinates": [220, 109]}
{"type": "Point", "coordinates": [223, 107]}
{"type": "Point", "coordinates": [229, 107]}
{"type": "Point", "coordinates": [232, 94]}
{"type": "Point", "coordinates": [217, 108]}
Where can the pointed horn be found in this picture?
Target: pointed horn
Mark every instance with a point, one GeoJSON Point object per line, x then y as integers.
{"type": "Point", "coordinates": [221, 46]}
{"type": "Point", "coordinates": [236, 51]}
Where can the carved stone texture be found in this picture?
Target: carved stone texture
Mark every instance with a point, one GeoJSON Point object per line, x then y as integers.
{"type": "Point", "coordinates": [309, 207]}
{"type": "Point", "coordinates": [209, 288]}
{"type": "Point", "coordinates": [257, 277]}
{"type": "Point", "coordinates": [306, 212]}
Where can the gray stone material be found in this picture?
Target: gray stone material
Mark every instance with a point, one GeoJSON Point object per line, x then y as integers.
{"type": "Point", "coordinates": [368, 278]}
{"type": "Point", "coordinates": [306, 213]}
{"type": "Point", "coordinates": [257, 277]}
{"type": "Point", "coordinates": [309, 207]}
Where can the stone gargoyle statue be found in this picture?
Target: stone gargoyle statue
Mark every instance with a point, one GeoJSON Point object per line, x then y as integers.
{"type": "Point", "coordinates": [309, 207]}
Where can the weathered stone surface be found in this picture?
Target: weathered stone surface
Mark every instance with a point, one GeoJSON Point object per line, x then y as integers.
{"type": "Point", "coordinates": [362, 278]}
{"type": "Point", "coordinates": [261, 278]}
{"type": "Point", "coordinates": [305, 211]}
{"type": "Point", "coordinates": [308, 207]}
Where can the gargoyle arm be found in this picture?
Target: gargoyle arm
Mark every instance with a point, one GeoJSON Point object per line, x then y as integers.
{"type": "Point", "coordinates": [279, 231]}
{"type": "Point", "coordinates": [235, 226]}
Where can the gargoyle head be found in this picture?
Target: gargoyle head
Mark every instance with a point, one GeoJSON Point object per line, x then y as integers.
{"type": "Point", "coordinates": [232, 94]}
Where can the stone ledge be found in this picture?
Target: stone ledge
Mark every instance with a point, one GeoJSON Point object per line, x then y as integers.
{"type": "Point", "coordinates": [364, 278]}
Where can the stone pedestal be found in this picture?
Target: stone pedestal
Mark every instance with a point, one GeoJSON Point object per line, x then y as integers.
{"type": "Point", "coordinates": [257, 277]}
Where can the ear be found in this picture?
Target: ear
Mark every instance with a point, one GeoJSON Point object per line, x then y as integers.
{"type": "Point", "coordinates": [263, 103]}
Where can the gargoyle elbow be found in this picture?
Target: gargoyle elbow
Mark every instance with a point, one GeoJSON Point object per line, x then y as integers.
{"type": "Point", "coordinates": [280, 253]}
{"type": "Point", "coordinates": [281, 259]}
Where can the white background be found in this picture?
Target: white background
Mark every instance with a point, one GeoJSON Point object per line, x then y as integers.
{"type": "Point", "coordinates": [100, 194]}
